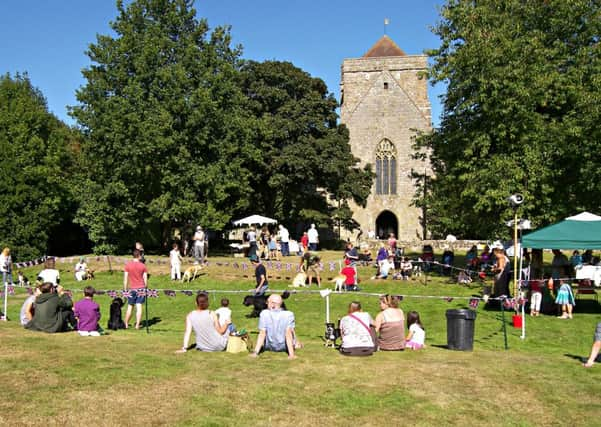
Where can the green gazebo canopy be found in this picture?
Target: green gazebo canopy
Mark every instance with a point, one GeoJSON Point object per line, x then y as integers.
{"type": "Point", "coordinates": [582, 231]}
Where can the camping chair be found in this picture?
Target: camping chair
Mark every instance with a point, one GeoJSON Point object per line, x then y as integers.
{"type": "Point", "coordinates": [585, 287]}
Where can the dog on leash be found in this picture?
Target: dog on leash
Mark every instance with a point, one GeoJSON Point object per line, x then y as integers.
{"type": "Point", "coordinates": [339, 281]}
{"type": "Point", "coordinates": [115, 319]}
{"type": "Point", "coordinates": [259, 303]}
{"type": "Point", "coordinates": [299, 280]}
{"type": "Point", "coordinates": [191, 273]}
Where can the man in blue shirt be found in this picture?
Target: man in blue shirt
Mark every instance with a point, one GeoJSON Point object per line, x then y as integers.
{"type": "Point", "coordinates": [276, 329]}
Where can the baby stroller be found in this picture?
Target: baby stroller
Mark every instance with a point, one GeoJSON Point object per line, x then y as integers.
{"type": "Point", "coordinates": [427, 257]}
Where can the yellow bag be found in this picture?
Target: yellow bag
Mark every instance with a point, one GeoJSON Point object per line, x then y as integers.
{"type": "Point", "coordinates": [237, 344]}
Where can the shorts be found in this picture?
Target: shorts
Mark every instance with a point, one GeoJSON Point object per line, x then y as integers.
{"type": "Point", "coordinates": [598, 332]}
{"type": "Point", "coordinates": [135, 299]}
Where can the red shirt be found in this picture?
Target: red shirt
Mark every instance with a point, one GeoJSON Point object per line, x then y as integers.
{"type": "Point", "coordinates": [349, 272]}
{"type": "Point", "coordinates": [305, 240]}
{"type": "Point", "coordinates": [135, 273]}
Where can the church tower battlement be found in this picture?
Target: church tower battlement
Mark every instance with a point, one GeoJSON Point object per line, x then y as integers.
{"type": "Point", "coordinates": [384, 100]}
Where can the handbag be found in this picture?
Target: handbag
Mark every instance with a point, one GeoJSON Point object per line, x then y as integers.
{"type": "Point", "coordinates": [237, 344]}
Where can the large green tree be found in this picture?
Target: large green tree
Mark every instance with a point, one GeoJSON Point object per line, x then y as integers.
{"type": "Point", "coordinates": [521, 113]}
{"type": "Point", "coordinates": [166, 134]}
{"type": "Point", "coordinates": [305, 170]}
{"type": "Point", "coordinates": [35, 163]}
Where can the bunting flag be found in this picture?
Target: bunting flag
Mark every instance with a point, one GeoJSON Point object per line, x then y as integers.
{"type": "Point", "coordinates": [288, 266]}
{"type": "Point", "coordinates": [169, 292]}
{"type": "Point", "coordinates": [152, 293]}
{"type": "Point", "coordinates": [29, 263]}
{"type": "Point", "coordinates": [448, 299]}
{"type": "Point", "coordinates": [141, 293]}
{"type": "Point", "coordinates": [187, 293]}
{"type": "Point", "coordinates": [244, 266]}
{"type": "Point", "coordinates": [278, 266]}
{"type": "Point", "coordinates": [269, 264]}
{"type": "Point", "coordinates": [218, 264]}
{"type": "Point", "coordinates": [125, 294]}
{"type": "Point", "coordinates": [332, 266]}
{"type": "Point", "coordinates": [112, 294]}
{"type": "Point", "coordinates": [235, 265]}
{"type": "Point", "coordinates": [474, 302]}
{"type": "Point", "coordinates": [400, 297]}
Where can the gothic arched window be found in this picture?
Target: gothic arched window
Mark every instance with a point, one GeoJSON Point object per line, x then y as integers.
{"type": "Point", "coordinates": [385, 168]}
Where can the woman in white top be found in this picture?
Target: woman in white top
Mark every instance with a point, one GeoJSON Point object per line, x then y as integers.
{"type": "Point", "coordinates": [81, 270]}
{"type": "Point", "coordinates": [356, 332]}
{"type": "Point", "coordinates": [6, 266]}
{"type": "Point", "coordinates": [49, 274]}
{"type": "Point", "coordinates": [210, 335]}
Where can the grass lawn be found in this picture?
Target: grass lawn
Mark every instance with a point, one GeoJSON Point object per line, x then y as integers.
{"type": "Point", "coordinates": [134, 378]}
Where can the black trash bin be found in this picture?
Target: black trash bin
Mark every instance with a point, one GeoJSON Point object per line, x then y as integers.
{"type": "Point", "coordinates": [460, 329]}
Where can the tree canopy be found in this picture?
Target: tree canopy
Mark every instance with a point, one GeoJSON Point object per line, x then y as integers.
{"type": "Point", "coordinates": [179, 130]}
{"type": "Point", "coordinates": [161, 111]}
{"type": "Point", "coordinates": [305, 170]}
{"type": "Point", "coordinates": [520, 115]}
{"type": "Point", "coordinates": [37, 154]}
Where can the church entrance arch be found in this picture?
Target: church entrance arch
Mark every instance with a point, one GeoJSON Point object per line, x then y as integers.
{"type": "Point", "coordinates": [386, 223]}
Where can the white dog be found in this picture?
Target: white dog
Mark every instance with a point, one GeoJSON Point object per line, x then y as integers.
{"type": "Point", "coordinates": [299, 280]}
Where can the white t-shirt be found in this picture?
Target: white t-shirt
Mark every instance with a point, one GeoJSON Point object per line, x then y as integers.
{"type": "Point", "coordinates": [199, 238]}
{"type": "Point", "coordinates": [354, 334]}
{"type": "Point", "coordinates": [224, 314]}
{"type": "Point", "coordinates": [313, 235]}
{"type": "Point", "coordinates": [49, 275]}
{"type": "Point", "coordinates": [5, 263]}
{"type": "Point", "coordinates": [419, 335]}
{"type": "Point", "coordinates": [284, 235]}
{"type": "Point", "coordinates": [80, 266]}
{"type": "Point", "coordinates": [174, 257]}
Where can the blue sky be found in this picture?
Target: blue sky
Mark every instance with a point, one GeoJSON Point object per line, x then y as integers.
{"type": "Point", "coordinates": [48, 39]}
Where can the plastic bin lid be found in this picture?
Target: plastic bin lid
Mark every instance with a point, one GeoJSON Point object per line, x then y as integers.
{"type": "Point", "coordinates": [461, 313]}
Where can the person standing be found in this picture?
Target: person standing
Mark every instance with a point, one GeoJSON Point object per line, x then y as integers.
{"type": "Point", "coordinates": [284, 240]}
{"type": "Point", "coordinates": [6, 267]}
{"type": "Point", "coordinates": [309, 264]}
{"type": "Point", "coordinates": [135, 277]}
{"type": "Point", "coordinates": [199, 246]}
{"type": "Point", "coordinates": [175, 259]}
{"type": "Point", "coordinates": [313, 238]}
{"type": "Point", "coordinates": [251, 236]}
{"type": "Point", "coordinates": [260, 275]}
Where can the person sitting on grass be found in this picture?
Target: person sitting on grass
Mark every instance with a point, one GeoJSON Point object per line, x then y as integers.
{"type": "Point", "coordinates": [52, 310]}
{"type": "Point", "coordinates": [350, 273]}
{"type": "Point", "coordinates": [276, 329]}
{"type": "Point", "coordinates": [358, 339]}
{"type": "Point", "coordinates": [87, 313]}
{"type": "Point", "coordinates": [386, 267]}
{"type": "Point", "coordinates": [210, 334]}
{"type": "Point", "coordinates": [416, 337]}
{"type": "Point", "coordinates": [390, 324]}
{"type": "Point", "coordinates": [28, 307]}
{"type": "Point", "coordinates": [595, 348]}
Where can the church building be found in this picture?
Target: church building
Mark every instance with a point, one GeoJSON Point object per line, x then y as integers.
{"type": "Point", "coordinates": [384, 102]}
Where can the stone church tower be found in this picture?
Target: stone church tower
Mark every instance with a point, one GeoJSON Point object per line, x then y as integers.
{"type": "Point", "coordinates": [383, 101]}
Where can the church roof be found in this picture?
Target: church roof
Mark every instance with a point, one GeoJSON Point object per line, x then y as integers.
{"type": "Point", "coordinates": [384, 47]}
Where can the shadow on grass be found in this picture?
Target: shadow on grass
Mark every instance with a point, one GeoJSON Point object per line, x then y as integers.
{"type": "Point", "coordinates": [152, 321]}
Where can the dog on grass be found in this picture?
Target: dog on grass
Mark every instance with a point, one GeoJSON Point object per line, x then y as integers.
{"type": "Point", "coordinates": [191, 273]}
{"type": "Point", "coordinates": [115, 319]}
{"type": "Point", "coordinates": [340, 281]}
{"type": "Point", "coordinates": [259, 303]}
{"type": "Point", "coordinates": [416, 270]}
{"type": "Point", "coordinates": [299, 280]}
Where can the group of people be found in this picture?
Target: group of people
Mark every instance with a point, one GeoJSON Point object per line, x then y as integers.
{"type": "Point", "coordinates": [266, 245]}
{"type": "Point", "coordinates": [362, 336]}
